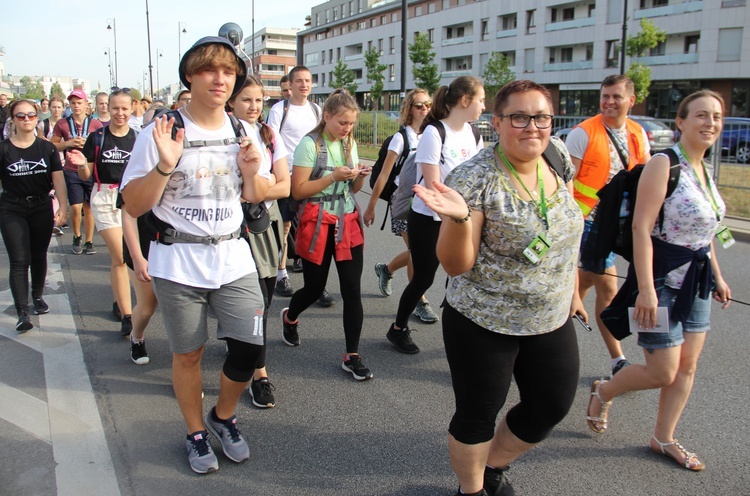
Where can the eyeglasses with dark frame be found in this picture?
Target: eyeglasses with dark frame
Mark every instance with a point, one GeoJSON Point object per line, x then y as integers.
{"type": "Point", "coordinates": [28, 115]}
{"type": "Point", "coordinates": [522, 121]}
{"type": "Point", "coordinates": [419, 105]}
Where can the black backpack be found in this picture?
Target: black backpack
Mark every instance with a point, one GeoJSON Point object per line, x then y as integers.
{"type": "Point", "coordinates": [390, 187]}
{"type": "Point", "coordinates": [613, 225]}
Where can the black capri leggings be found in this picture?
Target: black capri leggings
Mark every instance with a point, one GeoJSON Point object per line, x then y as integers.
{"type": "Point", "coordinates": [26, 227]}
{"type": "Point", "coordinates": [350, 275]}
{"type": "Point", "coordinates": [423, 236]}
{"type": "Point", "coordinates": [482, 362]}
{"type": "Point", "coordinates": [266, 287]}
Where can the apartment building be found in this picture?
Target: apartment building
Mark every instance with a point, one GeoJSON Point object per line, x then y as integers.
{"type": "Point", "coordinates": [275, 55]}
{"type": "Point", "coordinates": [567, 46]}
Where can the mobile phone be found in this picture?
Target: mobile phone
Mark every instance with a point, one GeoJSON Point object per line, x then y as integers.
{"type": "Point", "coordinates": [580, 321]}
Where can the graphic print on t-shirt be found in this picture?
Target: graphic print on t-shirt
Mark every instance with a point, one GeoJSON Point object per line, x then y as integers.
{"type": "Point", "coordinates": [207, 177]}
{"type": "Point", "coordinates": [26, 168]}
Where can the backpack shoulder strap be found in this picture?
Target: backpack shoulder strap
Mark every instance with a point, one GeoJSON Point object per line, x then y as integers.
{"type": "Point", "coordinates": [46, 127]}
{"type": "Point", "coordinates": [98, 144]}
{"type": "Point", "coordinates": [674, 170]}
{"type": "Point", "coordinates": [179, 123]}
{"type": "Point", "coordinates": [441, 131]}
{"type": "Point", "coordinates": [477, 135]}
{"type": "Point", "coordinates": [552, 155]}
{"type": "Point", "coordinates": [316, 110]}
{"type": "Point", "coordinates": [283, 114]}
{"type": "Point", "coordinates": [239, 129]}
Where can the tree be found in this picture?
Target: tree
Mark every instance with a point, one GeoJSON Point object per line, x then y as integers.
{"type": "Point", "coordinates": [34, 89]}
{"type": "Point", "coordinates": [56, 89]}
{"type": "Point", "coordinates": [375, 74]}
{"type": "Point", "coordinates": [343, 77]}
{"type": "Point", "coordinates": [649, 37]}
{"type": "Point", "coordinates": [425, 73]}
{"type": "Point", "coordinates": [496, 74]}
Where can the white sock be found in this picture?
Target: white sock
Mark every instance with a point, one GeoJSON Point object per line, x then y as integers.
{"type": "Point", "coordinates": [282, 274]}
{"type": "Point", "coordinates": [615, 361]}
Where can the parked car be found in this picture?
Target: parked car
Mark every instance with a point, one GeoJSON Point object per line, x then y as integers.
{"type": "Point", "coordinates": [735, 139]}
{"type": "Point", "coordinates": [660, 135]}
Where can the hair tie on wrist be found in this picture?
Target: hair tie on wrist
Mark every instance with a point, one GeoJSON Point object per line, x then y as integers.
{"type": "Point", "coordinates": [461, 221]}
{"type": "Point", "coordinates": [161, 172]}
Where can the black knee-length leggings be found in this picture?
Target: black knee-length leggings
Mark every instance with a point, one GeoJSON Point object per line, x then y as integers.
{"type": "Point", "coordinates": [26, 227]}
{"type": "Point", "coordinates": [482, 363]}
{"type": "Point", "coordinates": [350, 275]}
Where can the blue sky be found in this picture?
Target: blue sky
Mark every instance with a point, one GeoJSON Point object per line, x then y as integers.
{"type": "Point", "coordinates": [61, 39]}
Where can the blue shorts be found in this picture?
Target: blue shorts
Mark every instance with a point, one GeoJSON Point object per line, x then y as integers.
{"type": "Point", "coordinates": [610, 262]}
{"type": "Point", "coordinates": [79, 191]}
{"type": "Point", "coordinates": [697, 321]}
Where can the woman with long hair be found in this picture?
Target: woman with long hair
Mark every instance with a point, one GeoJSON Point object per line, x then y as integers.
{"type": "Point", "coordinates": [453, 107]}
{"type": "Point", "coordinates": [692, 216]}
{"type": "Point", "coordinates": [414, 109]}
{"type": "Point", "coordinates": [29, 168]}
{"type": "Point", "coordinates": [325, 178]}
{"type": "Point", "coordinates": [247, 105]}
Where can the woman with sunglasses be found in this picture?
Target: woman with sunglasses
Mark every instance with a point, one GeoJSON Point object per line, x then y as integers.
{"type": "Point", "coordinates": [414, 109]}
{"type": "Point", "coordinates": [454, 106]}
{"type": "Point", "coordinates": [509, 242]}
{"type": "Point", "coordinates": [29, 168]}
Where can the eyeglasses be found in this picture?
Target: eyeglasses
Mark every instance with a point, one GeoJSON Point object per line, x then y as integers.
{"type": "Point", "coordinates": [116, 89]}
{"type": "Point", "coordinates": [184, 100]}
{"type": "Point", "coordinates": [420, 105]}
{"type": "Point", "coordinates": [521, 121]}
{"type": "Point", "coordinates": [28, 115]}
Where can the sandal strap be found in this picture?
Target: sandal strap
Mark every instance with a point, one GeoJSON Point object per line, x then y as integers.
{"type": "Point", "coordinates": [688, 455]}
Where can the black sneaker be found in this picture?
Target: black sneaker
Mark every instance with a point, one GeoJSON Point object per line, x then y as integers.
{"type": "Point", "coordinates": [261, 392]}
{"type": "Point", "coordinates": [127, 325]}
{"type": "Point", "coordinates": [88, 247]}
{"type": "Point", "coordinates": [496, 483]}
{"type": "Point", "coordinates": [326, 300]}
{"type": "Point", "coordinates": [353, 364]}
{"type": "Point", "coordinates": [77, 245]}
{"type": "Point", "coordinates": [24, 322]}
{"type": "Point", "coordinates": [297, 265]}
{"type": "Point", "coordinates": [40, 306]}
{"type": "Point", "coordinates": [289, 331]}
{"type": "Point", "coordinates": [619, 366]}
{"type": "Point", "coordinates": [401, 340]}
{"type": "Point", "coordinates": [138, 352]}
{"type": "Point", "coordinates": [284, 287]}
{"type": "Point", "coordinates": [116, 312]}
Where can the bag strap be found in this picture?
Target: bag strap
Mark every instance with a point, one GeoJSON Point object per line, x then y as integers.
{"type": "Point", "coordinates": [552, 155]}
{"type": "Point", "coordinates": [98, 145]}
{"type": "Point", "coordinates": [674, 177]}
{"type": "Point", "coordinates": [618, 146]}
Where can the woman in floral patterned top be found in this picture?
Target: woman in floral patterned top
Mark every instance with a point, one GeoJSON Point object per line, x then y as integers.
{"type": "Point", "coordinates": [510, 248]}
{"type": "Point", "coordinates": [692, 217]}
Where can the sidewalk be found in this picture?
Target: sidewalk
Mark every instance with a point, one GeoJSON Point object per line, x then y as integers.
{"type": "Point", "coordinates": [740, 228]}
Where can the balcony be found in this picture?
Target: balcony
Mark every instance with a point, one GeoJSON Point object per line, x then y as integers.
{"type": "Point", "coordinates": [670, 59]}
{"type": "Point", "coordinates": [355, 56]}
{"type": "Point", "coordinates": [455, 74]}
{"type": "Point", "coordinates": [457, 41]}
{"type": "Point", "coordinates": [506, 33]}
{"type": "Point", "coordinates": [575, 23]}
{"type": "Point", "coordinates": [680, 8]}
{"type": "Point", "coordinates": [569, 66]}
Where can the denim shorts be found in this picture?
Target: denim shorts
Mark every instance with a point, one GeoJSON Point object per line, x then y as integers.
{"type": "Point", "coordinates": [79, 191]}
{"type": "Point", "coordinates": [610, 262]}
{"type": "Point", "coordinates": [697, 321]}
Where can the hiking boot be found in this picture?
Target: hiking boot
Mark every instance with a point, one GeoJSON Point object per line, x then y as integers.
{"type": "Point", "coordinates": [297, 265]}
{"type": "Point", "coordinates": [24, 322]}
{"type": "Point", "coordinates": [116, 312]}
{"type": "Point", "coordinates": [284, 287]}
{"type": "Point", "coordinates": [496, 483]}
{"type": "Point", "coordinates": [385, 279]}
{"type": "Point", "coordinates": [234, 445]}
{"type": "Point", "coordinates": [88, 248]}
{"type": "Point", "coordinates": [138, 352]}
{"type": "Point", "coordinates": [619, 366]}
{"type": "Point", "coordinates": [401, 340]}
{"type": "Point", "coordinates": [261, 392]}
{"type": "Point", "coordinates": [425, 313]}
{"type": "Point", "coordinates": [353, 364]}
{"type": "Point", "coordinates": [326, 300]}
{"type": "Point", "coordinates": [77, 245]}
{"type": "Point", "coordinates": [200, 455]}
{"type": "Point", "coordinates": [289, 331]}
{"type": "Point", "coordinates": [127, 325]}
{"type": "Point", "coordinates": [40, 306]}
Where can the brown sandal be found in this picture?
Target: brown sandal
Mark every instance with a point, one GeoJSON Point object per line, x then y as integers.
{"type": "Point", "coordinates": [691, 459]}
{"type": "Point", "coordinates": [598, 424]}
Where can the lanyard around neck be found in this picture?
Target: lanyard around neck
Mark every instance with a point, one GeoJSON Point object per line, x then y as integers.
{"type": "Point", "coordinates": [542, 203]}
{"type": "Point", "coordinates": [708, 191]}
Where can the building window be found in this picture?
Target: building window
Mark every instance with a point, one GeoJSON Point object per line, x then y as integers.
{"type": "Point", "coordinates": [592, 10]}
{"type": "Point", "coordinates": [323, 79]}
{"type": "Point", "coordinates": [660, 49]}
{"type": "Point", "coordinates": [361, 25]}
{"type": "Point", "coordinates": [691, 43]}
{"type": "Point", "coordinates": [380, 46]}
{"type": "Point", "coordinates": [568, 14]}
{"type": "Point", "coordinates": [392, 72]}
{"type": "Point", "coordinates": [589, 52]}
{"type": "Point", "coordinates": [530, 21]}
{"type": "Point", "coordinates": [431, 8]}
{"type": "Point", "coordinates": [509, 22]}
{"type": "Point", "coordinates": [338, 54]}
{"type": "Point", "coordinates": [431, 35]}
{"type": "Point", "coordinates": [372, 22]}
{"type": "Point", "coordinates": [394, 17]}
{"type": "Point", "coordinates": [460, 32]}
{"type": "Point", "coordinates": [552, 53]}
{"type": "Point", "coordinates": [613, 53]}
{"type": "Point", "coordinates": [392, 44]}
{"type": "Point", "coordinates": [510, 57]}
{"type": "Point", "coordinates": [528, 60]}
{"type": "Point", "coordinates": [418, 11]}
{"type": "Point", "coordinates": [485, 29]}
{"type": "Point", "coordinates": [382, 20]}
{"type": "Point", "coordinates": [330, 55]}
{"type": "Point", "coordinates": [730, 44]}
{"type": "Point", "coordinates": [446, 4]}
{"type": "Point", "coordinates": [335, 13]}
{"type": "Point", "coordinates": [323, 57]}
{"type": "Point", "coordinates": [317, 19]}
{"type": "Point", "coordinates": [357, 73]}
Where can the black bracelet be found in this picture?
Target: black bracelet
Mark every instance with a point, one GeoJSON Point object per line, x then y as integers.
{"type": "Point", "coordinates": [461, 221]}
{"type": "Point", "coordinates": [162, 173]}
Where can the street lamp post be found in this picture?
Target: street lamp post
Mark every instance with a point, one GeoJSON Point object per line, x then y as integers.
{"type": "Point", "coordinates": [112, 24]}
{"type": "Point", "coordinates": [108, 53]}
{"type": "Point", "coordinates": [150, 65]}
{"type": "Point", "coordinates": [159, 54]}
{"type": "Point", "coordinates": [181, 28]}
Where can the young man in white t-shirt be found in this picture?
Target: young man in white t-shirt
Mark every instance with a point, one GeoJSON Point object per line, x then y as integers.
{"type": "Point", "coordinates": [292, 119]}
{"type": "Point", "coordinates": [202, 262]}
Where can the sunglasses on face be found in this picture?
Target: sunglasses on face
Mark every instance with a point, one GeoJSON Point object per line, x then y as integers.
{"type": "Point", "coordinates": [420, 105]}
{"type": "Point", "coordinates": [116, 89]}
{"type": "Point", "coordinates": [28, 115]}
